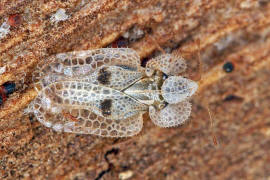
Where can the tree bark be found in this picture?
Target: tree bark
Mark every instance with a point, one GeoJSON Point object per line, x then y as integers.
{"type": "Point", "coordinates": [234, 145]}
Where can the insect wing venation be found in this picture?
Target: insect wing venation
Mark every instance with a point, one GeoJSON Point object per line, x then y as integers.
{"type": "Point", "coordinates": [76, 93]}
{"type": "Point", "coordinates": [78, 65]}
{"type": "Point", "coordinates": [104, 101]}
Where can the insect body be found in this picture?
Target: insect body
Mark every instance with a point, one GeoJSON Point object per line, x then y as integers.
{"type": "Point", "coordinates": [5, 90]}
{"type": "Point", "coordinates": [105, 92]}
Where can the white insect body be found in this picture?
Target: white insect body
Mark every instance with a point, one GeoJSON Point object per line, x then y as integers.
{"type": "Point", "coordinates": [106, 91]}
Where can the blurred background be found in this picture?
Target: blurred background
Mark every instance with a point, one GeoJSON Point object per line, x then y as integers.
{"type": "Point", "coordinates": [232, 39]}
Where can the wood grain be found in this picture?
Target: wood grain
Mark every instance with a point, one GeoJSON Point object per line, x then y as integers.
{"type": "Point", "coordinates": [236, 31]}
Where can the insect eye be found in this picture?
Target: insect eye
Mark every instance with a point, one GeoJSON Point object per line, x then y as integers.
{"type": "Point", "coordinates": [149, 71]}
{"type": "Point", "coordinates": [162, 105]}
{"type": "Point", "coordinates": [164, 76]}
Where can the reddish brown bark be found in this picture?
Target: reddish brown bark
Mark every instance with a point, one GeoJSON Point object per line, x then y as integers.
{"type": "Point", "coordinates": [235, 147]}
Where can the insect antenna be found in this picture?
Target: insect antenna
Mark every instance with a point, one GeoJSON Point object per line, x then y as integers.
{"type": "Point", "coordinates": [156, 44]}
{"type": "Point", "coordinates": [199, 74]}
{"type": "Point", "coordinates": [214, 137]}
{"type": "Point", "coordinates": [198, 77]}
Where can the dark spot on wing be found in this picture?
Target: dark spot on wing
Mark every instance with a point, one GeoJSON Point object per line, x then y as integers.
{"type": "Point", "coordinates": [89, 60]}
{"type": "Point", "coordinates": [106, 107]}
{"type": "Point", "coordinates": [104, 76]}
{"type": "Point", "coordinates": [67, 62]}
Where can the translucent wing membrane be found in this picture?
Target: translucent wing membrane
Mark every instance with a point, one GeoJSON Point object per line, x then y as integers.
{"type": "Point", "coordinates": [176, 89]}
{"type": "Point", "coordinates": [170, 64]}
{"type": "Point", "coordinates": [105, 92]}
{"type": "Point", "coordinates": [80, 64]}
{"type": "Point", "coordinates": [104, 101]}
{"type": "Point", "coordinates": [171, 115]}
{"type": "Point", "coordinates": [116, 77]}
{"type": "Point", "coordinates": [107, 127]}
{"type": "Point", "coordinates": [83, 121]}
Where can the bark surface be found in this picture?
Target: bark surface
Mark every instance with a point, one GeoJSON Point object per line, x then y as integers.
{"type": "Point", "coordinates": [235, 145]}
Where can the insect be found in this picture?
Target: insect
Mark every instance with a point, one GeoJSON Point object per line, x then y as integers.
{"type": "Point", "coordinates": [6, 89]}
{"type": "Point", "coordinates": [228, 67]}
{"type": "Point", "coordinates": [106, 91]}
